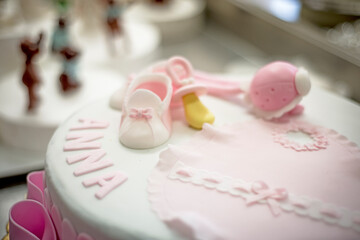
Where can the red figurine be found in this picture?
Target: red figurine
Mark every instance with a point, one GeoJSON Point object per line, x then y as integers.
{"type": "Point", "coordinates": [30, 77]}
{"type": "Point", "coordinates": [68, 78]}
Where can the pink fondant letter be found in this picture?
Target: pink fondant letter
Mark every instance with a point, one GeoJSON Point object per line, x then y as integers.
{"type": "Point", "coordinates": [106, 182]}
{"type": "Point", "coordinates": [90, 124]}
{"type": "Point", "coordinates": [92, 161]}
{"type": "Point", "coordinates": [82, 141]}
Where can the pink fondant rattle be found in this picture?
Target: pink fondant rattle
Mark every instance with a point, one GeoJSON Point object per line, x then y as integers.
{"type": "Point", "coordinates": [275, 90]}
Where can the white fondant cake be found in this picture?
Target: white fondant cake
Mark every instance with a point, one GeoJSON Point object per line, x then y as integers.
{"type": "Point", "coordinates": [100, 186]}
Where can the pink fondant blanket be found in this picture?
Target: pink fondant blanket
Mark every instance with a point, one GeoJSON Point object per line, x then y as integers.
{"type": "Point", "coordinates": [260, 181]}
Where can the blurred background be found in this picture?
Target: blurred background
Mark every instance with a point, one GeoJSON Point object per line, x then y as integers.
{"type": "Point", "coordinates": [226, 37]}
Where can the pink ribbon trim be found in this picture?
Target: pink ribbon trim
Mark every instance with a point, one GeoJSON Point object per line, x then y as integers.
{"type": "Point", "coordinates": [141, 113]}
{"type": "Point", "coordinates": [35, 185]}
{"type": "Point", "coordinates": [29, 219]}
{"type": "Point", "coordinates": [271, 196]}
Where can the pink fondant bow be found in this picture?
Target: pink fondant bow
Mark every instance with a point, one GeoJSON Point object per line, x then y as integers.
{"type": "Point", "coordinates": [138, 113]}
{"type": "Point", "coordinates": [272, 196]}
{"type": "Point", "coordinates": [29, 219]}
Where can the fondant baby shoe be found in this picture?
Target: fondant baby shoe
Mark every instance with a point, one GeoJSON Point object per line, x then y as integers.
{"type": "Point", "coordinates": [277, 89]}
{"type": "Point", "coordinates": [186, 91]}
{"type": "Point", "coordinates": [146, 121]}
{"type": "Point", "coordinates": [117, 98]}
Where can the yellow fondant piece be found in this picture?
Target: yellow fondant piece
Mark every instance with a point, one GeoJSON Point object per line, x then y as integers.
{"type": "Point", "coordinates": [6, 237]}
{"type": "Point", "coordinates": [195, 112]}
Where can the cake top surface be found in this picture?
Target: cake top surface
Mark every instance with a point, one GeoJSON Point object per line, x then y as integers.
{"type": "Point", "coordinates": [126, 211]}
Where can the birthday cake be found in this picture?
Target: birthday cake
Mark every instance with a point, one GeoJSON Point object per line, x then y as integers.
{"type": "Point", "coordinates": [241, 177]}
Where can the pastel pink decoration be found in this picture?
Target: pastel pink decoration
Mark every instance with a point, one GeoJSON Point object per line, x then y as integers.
{"type": "Point", "coordinates": [330, 212]}
{"type": "Point", "coordinates": [242, 189]}
{"type": "Point", "coordinates": [90, 124]}
{"type": "Point", "coordinates": [318, 140]}
{"type": "Point", "coordinates": [178, 69]}
{"type": "Point", "coordinates": [90, 166]}
{"type": "Point", "coordinates": [82, 141]}
{"type": "Point", "coordinates": [37, 218]}
{"type": "Point", "coordinates": [301, 203]}
{"type": "Point", "coordinates": [29, 220]}
{"type": "Point", "coordinates": [277, 88]}
{"type": "Point", "coordinates": [181, 73]}
{"type": "Point", "coordinates": [68, 231]}
{"type": "Point", "coordinates": [146, 120]}
{"type": "Point", "coordinates": [84, 236]}
{"type": "Point", "coordinates": [137, 113]}
{"type": "Point", "coordinates": [48, 202]}
{"type": "Point", "coordinates": [237, 157]}
{"type": "Point", "coordinates": [184, 173]}
{"type": "Point", "coordinates": [218, 85]}
{"type": "Point", "coordinates": [263, 192]}
{"type": "Point", "coordinates": [35, 184]}
{"type": "Point", "coordinates": [106, 182]}
{"type": "Point", "coordinates": [57, 219]}
{"type": "Point", "coordinates": [91, 161]}
{"type": "Point", "coordinates": [93, 156]}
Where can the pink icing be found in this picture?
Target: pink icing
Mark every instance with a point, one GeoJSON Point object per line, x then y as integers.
{"type": "Point", "coordinates": [309, 181]}
{"type": "Point", "coordinates": [48, 202]}
{"type": "Point", "coordinates": [57, 220]}
{"type": "Point", "coordinates": [92, 161]}
{"type": "Point", "coordinates": [91, 166]}
{"type": "Point", "coordinates": [106, 182]}
{"type": "Point", "coordinates": [68, 232]}
{"type": "Point", "coordinates": [82, 141]}
{"type": "Point", "coordinates": [181, 73]}
{"type": "Point", "coordinates": [184, 173]}
{"type": "Point", "coordinates": [331, 212]}
{"type": "Point", "coordinates": [90, 124]}
{"type": "Point", "coordinates": [94, 155]}
{"type": "Point", "coordinates": [263, 192]}
{"type": "Point", "coordinates": [273, 86]}
{"type": "Point", "coordinates": [301, 203]}
{"type": "Point", "coordinates": [138, 113]}
{"type": "Point", "coordinates": [319, 141]}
